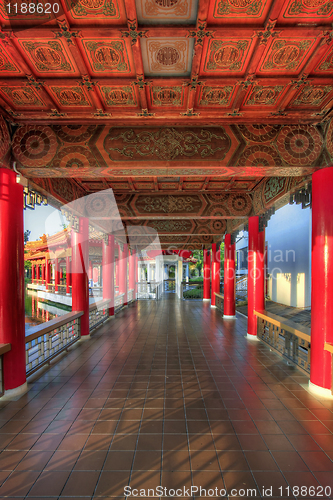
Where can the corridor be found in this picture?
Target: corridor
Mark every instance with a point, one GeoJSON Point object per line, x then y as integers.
{"type": "Point", "coordinates": [169, 394]}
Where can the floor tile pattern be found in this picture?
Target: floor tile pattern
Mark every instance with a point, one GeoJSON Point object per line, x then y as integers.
{"type": "Point", "coordinates": [167, 393]}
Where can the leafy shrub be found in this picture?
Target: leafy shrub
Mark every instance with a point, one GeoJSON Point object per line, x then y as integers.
{"type": "Point", "coordinates": [196, 293]}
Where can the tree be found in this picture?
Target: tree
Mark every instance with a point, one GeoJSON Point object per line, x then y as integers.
{"type": "Point", "coordinates": [198, 254]}
{"type": "Point", "coordinates": [27, 233]}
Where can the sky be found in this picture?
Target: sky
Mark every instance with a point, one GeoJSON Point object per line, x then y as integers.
{"type": "Point", "coordinates": [43, 220]}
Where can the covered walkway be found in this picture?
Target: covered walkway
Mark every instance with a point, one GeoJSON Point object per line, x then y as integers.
{"type": "Point", "coordinates": [167, 393]}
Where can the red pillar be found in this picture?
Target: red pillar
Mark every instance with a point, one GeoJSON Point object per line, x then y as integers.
{"type": "Point", "coordinates": [206, 275]}
{"type": "Point", "coordinates": [12, 312]}
{"type": "Point", "coordinates": [135, 275]}
{"type": "Point", "coordinates": [56, 275]}
{"type": "Point", "coordinates": [43, 273]}
{"type": "Point", "coordinates": [47, 273]}
{"type": "Point", "coordinates": [216, 265]}
{"type": "Point", "coordinates": [33, 305]}
{"type": "Point", "coordinates": [131, 271]}
{"type": "Point", "coordinates": [80, 289]}
{"type": "Point", "coordinates": [229, 278]}
{"type": "Point", "coordinates": [38, 272]}
{"type": "Point", "coordinates": [91, 277]}
{"type": "Point", "coordinates": [321, 278]}
{"type": "Point", "coordinates": [68, 274]}
{"type": "Point", "coordinates": [32, 271]}
{"type": "Point", "coordinates": [117, 269]}
{"type": "Point", "coordinates": [256, 274]}
{"type": "Point", "coordinates": [123, 272]}
{"type": "Point", "coordinates": [108, 272]}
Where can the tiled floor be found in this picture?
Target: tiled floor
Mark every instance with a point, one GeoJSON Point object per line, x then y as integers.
{"type": "Point", "coordinates": [167, 394]}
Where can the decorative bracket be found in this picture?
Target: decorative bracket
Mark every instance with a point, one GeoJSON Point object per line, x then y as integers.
{"type": "Point", "coordinates": [87, 83]}
{"type": "Point", "coordinates": [328, 37]}
{"type": "Point", "coordinates": [65, 32]}
{"type": "Point", "coordinates": [235, 112]}
{"type": "Point", "coordinates": [100, 114]}
{"type": "Point", "coordinates": [247, 83]}
{"type": "Point", "coordinates": [190, 112]}
{"type": "Point", "coordinates": [140, 82]}
{"type": "Point", "coordinates": [73, 220]}
{"type": "Point", "coordinates": [55, 114]}
{"type": "Point", "coordinates": [200, 33]}
{"type": "Point", "coordinates": [31, 199]}
{"type": "Point", "coordinates": [280, 112]}
{"type": "Point", "coordinates": [300, 81]}
{"type": "Point", "coordinates": [133, 33]}
{"type": "Point", "coordinates": [269, 32]}
{"type": "Point", "coordinates": [193, 83]}
{"type": "Point", "coordinates": [33, 83]}
{"type": "Point", "coordinates": [4, 37]}
{"type": "Point", "coordinates": [145, 113]}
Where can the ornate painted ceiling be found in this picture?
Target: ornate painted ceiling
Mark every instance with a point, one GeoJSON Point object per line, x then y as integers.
{"type": "Point", "coordinates": [153, 61]}
{"type": "Point", "coordinates": [198, 113]}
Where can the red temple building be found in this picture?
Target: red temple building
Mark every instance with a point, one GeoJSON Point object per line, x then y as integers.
{"type": "Point", "coordinates": [201, 117]}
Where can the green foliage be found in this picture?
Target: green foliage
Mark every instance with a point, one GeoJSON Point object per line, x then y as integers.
{"type": "Point", "coordinates": [26, 236]}
{"type": "Point", "coordinates": [198, 254]}
{"type": "Point", "coordinates": [196, 293]}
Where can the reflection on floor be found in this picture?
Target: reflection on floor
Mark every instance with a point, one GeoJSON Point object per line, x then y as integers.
{"type": "Point", "coordinates": [166, 394]}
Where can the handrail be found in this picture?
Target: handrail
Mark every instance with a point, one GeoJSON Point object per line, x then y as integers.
{"type": "Point", "coordinates": [150, 282]}
{"type": "Point", "coordinates": [49, 340]}
{"type": "Point", "coordinates": [291, 340]}
{"type": "Point", "coordinates": [99, 304]}
{"type": "Point", "coordinates": [328, 347]}
{"type": "Point", "coordinates": [301, 331]}
{"type": "Point", "coordinates": [44, 328]}
{"type": "Point", "coordinates": [219, 302]}
{"type": "Point", "coordinates": [5, 348]}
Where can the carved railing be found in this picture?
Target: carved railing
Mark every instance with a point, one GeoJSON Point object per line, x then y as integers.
{"type": "Point", "coordinates": [95, 290]}
{"type": "Point", "coordinates": [291, 340]}
{"type": "Point", "coordinates": [118, 302]}
{"type": "Point", "coordinates": [50, 339]}
{"type": "Point", "coordinates": [329, 347]}
{"type": "Point", "coordinates": [241, 288]}
{"type": "Point", "coordinates": [149, 290]}
{"type": "Point", "coordinates": [170, 285]}
{"type": "Point", "coordinates": [98, 313]}
{"type": "Point", "coordinates": [219, 302]}
{"type": "Point", "coordinates": [61, 289]}
{"type": "Point", "coordinates": [3, 349]}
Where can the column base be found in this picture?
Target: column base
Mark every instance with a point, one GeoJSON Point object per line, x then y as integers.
{"type": "Point", "coordinates": [214, 307]}
{"type": "Point", "coordinates": [85, 337]}
{"type": "Point", "coordinates": [112, 316]}
{"type": "Point", "coordinates": [252, 337]}
{"type": "Point", "coordinates": [225, 316]}
{"type": "Point", "coordinates": [18, 391]}
{"type": "Point", "coordinates": [320, 391]}
{"type": "Point", "coordinates": [206, 300]}
{"type": "Point", "coordinates": [68, 294]}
